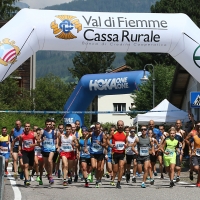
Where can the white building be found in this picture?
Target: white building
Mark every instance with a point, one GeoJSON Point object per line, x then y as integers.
{"type": "Point", "coordinates": [121, 102]}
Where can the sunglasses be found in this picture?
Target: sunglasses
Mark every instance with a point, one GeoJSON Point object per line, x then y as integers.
{"type": "Point", "coordinates": [143, 129]}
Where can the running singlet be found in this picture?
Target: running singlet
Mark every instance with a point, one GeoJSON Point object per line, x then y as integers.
{"type": "Point", "coordinates": [196, 145]}
{"type": "Point", "coordinates": [119, 140]}
{"type": "Point", "coordinates": [82, 148]}
{"type": "Point", "coordinates": [95, 147]}
{"type": "Point", "coordinates": [17, 133]}
{"type": "Point", "coordinates": [27, 140]}
{"type": "Point", "coordinates": [4, 144]}
{"type": "Point", "coordinates": [38, 150]}
{"type": "Point", "coordinates": [48, 144]}
{"type": "Point", "coordinates": [143, 146]}
{"type": "Point", "coordinates": [66, 143]}
{"type": "Point", "coordinates": [131, 140]}
{"type": "Point", "coordinates": [171, 146]}
{"type": "Point", "coordinates": [109, 150]}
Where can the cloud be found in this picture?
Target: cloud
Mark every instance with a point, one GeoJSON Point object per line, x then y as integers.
{"type": "Point", "coordinates": [44, 3]}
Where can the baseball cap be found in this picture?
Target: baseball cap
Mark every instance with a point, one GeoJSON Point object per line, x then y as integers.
{"type": "Point", "coordinates": [92, 126]}
{"type": "Point", "coordinates": [84, 128]}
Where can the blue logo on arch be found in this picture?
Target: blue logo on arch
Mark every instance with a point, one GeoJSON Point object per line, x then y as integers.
{"type": "Point", "coordinates": [66, 26]}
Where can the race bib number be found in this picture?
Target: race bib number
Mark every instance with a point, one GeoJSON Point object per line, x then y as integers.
{"type": "Point", "coordinates": [83, 150]}
{"type": "Point", "coordinates": [119, 145]}
{"type": "Point", "coordinates": [67, 147]}
{"type": "Point", "coordinates": [17, 143]}
{"type": "Point", "coordinates": [171, 152]}
{"type": "Point", "coordinates": [37, 149]}
{"type": "Point", "coordinates": [144, 151]}
{"type": "Point", "coordinates": [4, 150]}
{"type": "Point", "coordinates": [180, 145]}
{"type": "Point", "coordinates": [48, 143]}
{"type": "Point", "coordinates": [27, 143]}
{"type": "Point", "coordinates": [197, 152]}
{"type": "Point", "coordinates": [96, 147]}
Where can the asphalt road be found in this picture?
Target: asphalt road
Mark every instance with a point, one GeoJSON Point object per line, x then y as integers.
{"type": "Point", "coordinates": [160, 190]}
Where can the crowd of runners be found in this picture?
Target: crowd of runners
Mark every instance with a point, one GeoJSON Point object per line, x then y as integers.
{"type": "Point", "coordinates": [72, 152]}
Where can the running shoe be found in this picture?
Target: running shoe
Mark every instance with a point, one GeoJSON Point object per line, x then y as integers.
{"type": "Point", "coordinates": [69, 181]}
{"type": "Point", "coordinates": [177, 179]}
{"type": "Point", "coordinates": [26, 183]}
{"type": "Point", "coordinates": [6, 172]}
{"type": "Point", "coordinates": [38, 179]}
{"type": "Point", "coordinates": [171, 184]}
{"type": "Point", "coordinates": [107, 176]}
{"type": "Point", "coordinates": [40, 182]}
{"type": "Point", "coordinates": [155, 173]}
{"type": "Point", "coordinates": [191, 176]}
{"type": "Point", "coordinates": [134, 180]}
{"type": "Point", "coordinates": [152, 181]}
{"type": "Point", "coordinates": [123, 177]}
{"type": "Point", "coordinates": [31, 178]}
{"type": "Point", "coordinates": [80, 174]}
{"type": "Point", "coordinates": [148, 178]}
{"type": "Point", "coordinates": [118, 185]}
{"type": "Point", "coordinates": [64, 183]}
{"type": "Point", "coordinates": [143, 185]}
{"type": "Point", "coordinates": [198, 184]}
{"type": "Point", "coordinates": [76, 178]}
{"type": "Point", "coordinates": [87, 184]}
{"type": "Point", "coordinates": [97, 185]}
{"type": "Point", "coordinates": [112, 183]}
{"type": "Point", "coordinates": [127, 178]}
{"type": "Point", "coordinates": [51, 181]}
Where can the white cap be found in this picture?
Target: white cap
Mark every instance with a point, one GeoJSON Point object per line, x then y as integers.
{"type": "Point", "coordinates": [92, 126]}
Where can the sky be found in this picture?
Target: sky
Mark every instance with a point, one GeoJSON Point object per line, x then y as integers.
{"type": "Point", "coordinates": [43, 3]}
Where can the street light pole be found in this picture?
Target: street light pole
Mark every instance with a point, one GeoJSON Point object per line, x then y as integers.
{"type": "Point", "coordinates": [145, 78]}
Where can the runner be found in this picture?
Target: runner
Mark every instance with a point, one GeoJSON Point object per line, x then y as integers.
{"type": "Point", "coordinates": [118, 150]}
{"type": "Point", "coordinates": [169, 148]}
{"type": "Point", "coordinates": [85, 156]}
{"type": "Point", "coordinates": [66, 143]}
{"type": "Point", "coordinates": [39, 164]}
{"type": "Point", "coordinates": [159, 152]}
{"type": "Point", "coordinates": [98, 142]}
{"type": "Point", "coordinates": [48, 148]}
{"type": "Point", "coordinates": [180, 135]}
{"type": "Point", "coordinates": [14, 135]}
{"type": "Point", "coordinates": [5, 147]}
{"type": "Point", "coordinates": [131, 156]}
{"type": "Point", "coordinates": [158, 134]}
{"type": "Point", "coordinates": [143, 142]}
{"type": "Point", "coordinates": [75, 168]}
{"type": "Point", "coordinates": [153, 156]}
{"type": "Point", "coordinates": [26, 149]}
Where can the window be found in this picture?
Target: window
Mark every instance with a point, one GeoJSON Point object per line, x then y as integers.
{"type": "Point", "coordinates": [119, 106]}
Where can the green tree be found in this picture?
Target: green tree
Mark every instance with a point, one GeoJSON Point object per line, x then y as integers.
{"type": "Point", "coordinates": [7, 9]}
{"type": "Point", "coordinates": [91, 63]}
{"type": "Point", "coordinates": [143, 97]}
{"type": "Point", "coordinates": [51, 93]}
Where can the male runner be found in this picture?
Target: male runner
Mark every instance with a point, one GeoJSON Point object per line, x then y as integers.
{"type": "Point", "coordinates": [118, 149]}
{"type": "Point", "coordinates": [98, 142]}
{"type": "Point", "coordinates": [143, 142]}
{"type": "Point", "coordinates": [14, 135]}
{"type": "Point", "coordinates": [5, 147]}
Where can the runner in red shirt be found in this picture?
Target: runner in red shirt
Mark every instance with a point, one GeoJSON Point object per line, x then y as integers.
{"type": "Point", "coordinates": [118, 152]}
{"type": "Point", "coordinates": [26, 149]}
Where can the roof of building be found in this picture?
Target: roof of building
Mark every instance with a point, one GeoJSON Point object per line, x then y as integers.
{"type": "Point", "coordinates": [122, 68]}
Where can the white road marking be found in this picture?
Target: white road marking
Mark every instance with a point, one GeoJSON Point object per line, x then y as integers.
{"type": "Point", "coordinates": [17, 193]}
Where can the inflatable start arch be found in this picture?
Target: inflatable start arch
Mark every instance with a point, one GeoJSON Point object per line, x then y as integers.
{"type": "Point", "coordinates": [32, 30]}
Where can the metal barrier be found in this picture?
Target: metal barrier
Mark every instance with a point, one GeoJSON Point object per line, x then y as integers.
{"type": "Point", "coordinates": [2, 168]}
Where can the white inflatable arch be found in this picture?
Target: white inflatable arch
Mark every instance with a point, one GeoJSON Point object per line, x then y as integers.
{"type": "Point", "coordinates": [32, 30]}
